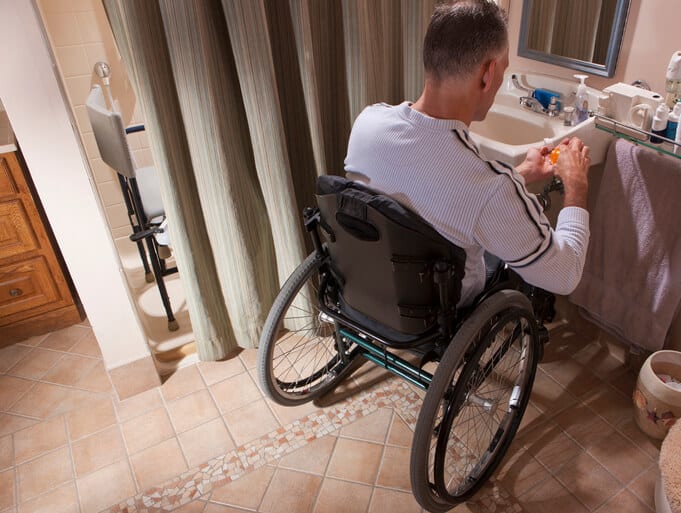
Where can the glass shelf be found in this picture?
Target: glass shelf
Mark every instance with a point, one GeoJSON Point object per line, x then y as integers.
{"type": "Point", "coordinates": [637, 136]}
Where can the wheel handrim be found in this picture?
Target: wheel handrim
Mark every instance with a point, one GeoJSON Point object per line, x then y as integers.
{"type": "Point", "coordinates": [305, 356]}
{"type": "Point", "coordinates": [467, 438]}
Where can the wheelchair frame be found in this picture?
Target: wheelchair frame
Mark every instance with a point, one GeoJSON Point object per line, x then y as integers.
{"type": "Point", "coordinates": [378, 354]}
{"type": "Point", "coordinates": [372, 352]}
{"type": "Point", "coordinates": [526, 312]}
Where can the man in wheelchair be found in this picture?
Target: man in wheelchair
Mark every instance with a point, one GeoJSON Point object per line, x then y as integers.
{"type": "Point", "coordinates": [399, 264]}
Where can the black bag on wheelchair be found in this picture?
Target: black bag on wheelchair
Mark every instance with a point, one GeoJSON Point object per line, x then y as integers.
{"type": "Point", "coordinates": [384, 259]}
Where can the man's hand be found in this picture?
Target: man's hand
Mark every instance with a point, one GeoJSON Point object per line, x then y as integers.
{"type": "Point", "coordinates": [536, 166]}
{"type": "Point", "coordinates": [573, 168]}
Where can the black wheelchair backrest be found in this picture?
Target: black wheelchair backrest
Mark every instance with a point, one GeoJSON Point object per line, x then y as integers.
{"type": "Point", "coordinates": [384, 256]}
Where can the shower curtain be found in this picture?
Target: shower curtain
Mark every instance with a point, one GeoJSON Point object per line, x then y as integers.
{"type": "Point", "coordinates": [246, 102]}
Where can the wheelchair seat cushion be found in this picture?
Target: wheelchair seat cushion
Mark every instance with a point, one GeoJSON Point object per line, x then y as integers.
{"type": "Point", "coordinates": [383, 257]}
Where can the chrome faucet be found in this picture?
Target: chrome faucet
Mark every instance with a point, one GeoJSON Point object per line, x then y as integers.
{"type": "Point", "coordinates": [532, 103]}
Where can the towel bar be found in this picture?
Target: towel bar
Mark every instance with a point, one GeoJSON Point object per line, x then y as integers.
{"type": "Point", "coordinates": [637, 135]}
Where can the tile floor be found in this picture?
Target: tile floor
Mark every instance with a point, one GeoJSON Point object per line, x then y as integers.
{"type": "Point", "coordinates": [207, 440]}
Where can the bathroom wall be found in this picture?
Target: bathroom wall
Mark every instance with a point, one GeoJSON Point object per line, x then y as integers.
{"type": "Point", "coordinates": [31, 94]}
{"type": "Point", "coordinates": [80, 35]}
{"type": "Point", "coordinates": [650, 39]}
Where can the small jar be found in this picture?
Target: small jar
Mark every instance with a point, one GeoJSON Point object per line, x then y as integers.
{"type": "Point", "coordinates": [569, 116]}
{"type": "Point", "coordinates": [657, 404]}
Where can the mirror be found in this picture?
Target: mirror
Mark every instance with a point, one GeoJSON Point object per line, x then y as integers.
{"type": "Point", "coordinates": [580, 34]}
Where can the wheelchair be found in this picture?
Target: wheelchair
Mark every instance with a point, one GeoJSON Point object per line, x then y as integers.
{"type": "Point", "coordinates": [381, 281]}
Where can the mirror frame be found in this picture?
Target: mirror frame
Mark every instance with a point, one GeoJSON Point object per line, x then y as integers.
{"type": "Point", "coordinates": [614, 44]}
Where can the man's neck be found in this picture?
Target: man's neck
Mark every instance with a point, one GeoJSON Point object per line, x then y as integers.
{"type": "Point", "coordinates": [447, 100]}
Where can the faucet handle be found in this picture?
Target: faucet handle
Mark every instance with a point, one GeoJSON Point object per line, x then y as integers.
{"type": "Point", "coordinates": [554, 107]}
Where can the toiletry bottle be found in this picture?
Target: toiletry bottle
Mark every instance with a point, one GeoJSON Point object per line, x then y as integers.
{"type": "Point", "coordinates": [677, 140]}
{"type": "Point", "coordinates": [659, 123]}
{"type": "Point", "coordinates": [581, 100]}
{"type": "Point", "coordinates": [673, 121]}
{"type": "Point", "coordinates": [672, 85]}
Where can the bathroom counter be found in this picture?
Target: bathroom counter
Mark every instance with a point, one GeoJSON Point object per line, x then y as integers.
{"type": "Point", "coordinates": [7, 142]}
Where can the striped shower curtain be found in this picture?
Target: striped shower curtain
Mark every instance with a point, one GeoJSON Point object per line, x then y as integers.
{"type": "Point", "coordinates": [246, 102]}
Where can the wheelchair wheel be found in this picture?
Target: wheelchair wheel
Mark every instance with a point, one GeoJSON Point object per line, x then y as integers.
{"type": "Point", "coordinates": [298, 358]}
{"type": "Point", "coordinates": [475, 402]}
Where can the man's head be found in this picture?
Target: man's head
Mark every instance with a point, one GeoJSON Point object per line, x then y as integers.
{"type": "Point", "coordinates": [461, 36]}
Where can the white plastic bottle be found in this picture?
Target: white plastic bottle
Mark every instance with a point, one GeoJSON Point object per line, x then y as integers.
{"type": "Point", "coordinates": [673, 121]}
{"type": "Point", "coordinates": [673, 79]}
{"type": "Point", "coordinates": [581, 100]}
{"type": "Point", "coordinates": [659, 123]}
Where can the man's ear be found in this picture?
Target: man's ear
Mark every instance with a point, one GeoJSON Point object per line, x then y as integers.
{"type": "Point", "coordinates": [488, 74]}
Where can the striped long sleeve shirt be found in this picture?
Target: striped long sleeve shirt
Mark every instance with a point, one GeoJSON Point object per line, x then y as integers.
{"type": "Point", "coordinates": [433, 167]}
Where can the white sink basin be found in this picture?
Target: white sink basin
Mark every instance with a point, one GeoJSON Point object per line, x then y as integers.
{"type": "Point", "coordinates": [510, 129]}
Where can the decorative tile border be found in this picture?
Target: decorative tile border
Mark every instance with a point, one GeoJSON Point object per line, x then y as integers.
{"type": "Point", "coordinates": [199, 481]}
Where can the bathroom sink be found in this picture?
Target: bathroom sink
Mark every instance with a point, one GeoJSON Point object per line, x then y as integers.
{"type": "Point", "coordinates": [510, 129]}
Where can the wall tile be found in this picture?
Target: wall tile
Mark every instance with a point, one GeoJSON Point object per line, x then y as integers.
{"type": "Point", "coordinates": [90, 144]}
{"type": "Point", "coordinates": [89, 26]}
{"type": "Point", "coordinates": [102, 172]}
{"type": "Point", "coordinates": [96, 52]}
{"type": "Point", "coordinates": [73, 60]}
{"type": "Point", "coordinates": [110, 192]}
{"type": "Point", "coordinates": [83, 121]}
{"type": "Point", "coordinates": [63, 28]}
{"type": "Point", "coordinates": [118, 217]}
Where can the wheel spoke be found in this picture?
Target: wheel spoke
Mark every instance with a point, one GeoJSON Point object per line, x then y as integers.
{"type": "Point", "coordinates": [299, 356]}
{"type": "Point", "coordinates": [480, 404]}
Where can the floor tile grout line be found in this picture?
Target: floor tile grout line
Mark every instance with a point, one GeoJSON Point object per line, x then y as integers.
{"type": "Point", "coordinates": [267, 488]}
{"type": "Point", "coordinates": [621, 487]}
{"type": "Point", "coordinates": [631, 490]}
{"type": "Point", "coordinates": [579, 401]}
{"type": "Point", "coordinates": [381, 461]}
{"type": "Point", "coordinates": [582, 401]}
{"type": "Point", "coordinates": [217, 407]}
{"type": "Point", "coordinates": [325, 472]}
{"type": "Point", "coordinates": [73, 464]}
{"type": "Point", "coordinates": [362, 395]}
{"type": "Point", "coordinates": [175, 433]}
{"type": "Point", "coordinates": [19, 398]}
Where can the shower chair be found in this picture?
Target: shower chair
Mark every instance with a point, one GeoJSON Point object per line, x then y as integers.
{"type": "Point", "coordinates": [141, 194]}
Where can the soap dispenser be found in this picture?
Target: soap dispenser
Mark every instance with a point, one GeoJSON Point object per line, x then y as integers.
{"type": "Point", "coordinates": [581, 100]}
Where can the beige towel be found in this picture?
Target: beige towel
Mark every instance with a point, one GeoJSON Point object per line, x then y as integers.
{"type": "Point", "coordinates": [631, 284]}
